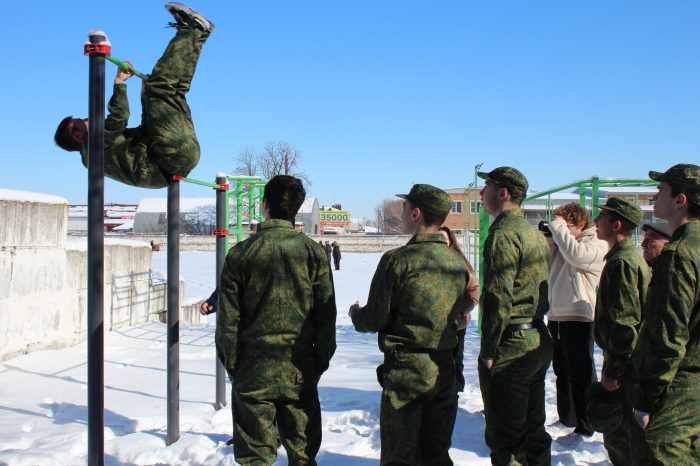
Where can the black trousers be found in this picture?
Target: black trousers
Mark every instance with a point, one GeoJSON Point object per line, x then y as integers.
{"type": "Point", "coordinates": [575, 370]}
{"type": "Point", "coordinates": [458, 355]}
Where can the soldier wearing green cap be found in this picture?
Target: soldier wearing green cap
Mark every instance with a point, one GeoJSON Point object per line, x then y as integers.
{"type": "Point", "coordinates": [516, 347]}
{"type": "Point", "coordinates": [414, 301]}
{"type": "Point", "coordinates": [618, 315]}
{"type": "Point", "coordinates": [666, 399]}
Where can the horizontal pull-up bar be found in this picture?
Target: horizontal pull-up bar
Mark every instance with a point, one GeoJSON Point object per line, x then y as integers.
{"type": "Point", "coordinates": [125, 67]}
{"type": "Point", "coordinates": [201, 183]}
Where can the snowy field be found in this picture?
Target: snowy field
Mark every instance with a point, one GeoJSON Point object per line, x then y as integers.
{"type": "Point", "coordinates": [43, 414]}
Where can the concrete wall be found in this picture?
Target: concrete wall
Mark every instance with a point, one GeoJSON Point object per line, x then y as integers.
{"type": "Point", "coordinates": [43, 295]}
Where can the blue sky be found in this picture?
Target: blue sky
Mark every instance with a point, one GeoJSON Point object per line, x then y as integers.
{"type": "Point", "coordinates": [377, 95]}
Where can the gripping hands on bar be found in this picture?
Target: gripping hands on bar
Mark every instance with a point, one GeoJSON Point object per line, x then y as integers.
{"type": "Point", "coordinates": [126, 66]}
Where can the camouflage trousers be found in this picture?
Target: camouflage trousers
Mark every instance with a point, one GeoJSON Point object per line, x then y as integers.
{"type": "Point", "coordinates": [626, 444]}
{"type": "Point", "coordinates": [513, 394]}
{"type": "Point", "coordinates": [673, 433]}
{"type": "Point", "coordinates": [272, 398]}
{"type": "Point", "coordinates": [166, 115]}
{"type": "Point", "coordinates": [418, 408]}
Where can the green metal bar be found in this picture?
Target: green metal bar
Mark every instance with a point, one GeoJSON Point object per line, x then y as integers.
{"type": "Point", "coordinates": [201, 183]}
{"type": "Point", "coordinates": [484, 223]}
{"type": "Point", "coordinates": [228, 218]}
{"type": "Point", "coordinates": [251, 206]}
{"type": "Point", "coordinates": [125, 67]}
{"type": "Point", "coordinates": [467, 228]}
{"type": "Point", "coordinates": [601, 183]}
{"type": "Point", "coordinates": [239, 211]}
{"type": "Point", "coordinates": [582, 194]}
{"type": "Point", "coordinates": [595, 196]}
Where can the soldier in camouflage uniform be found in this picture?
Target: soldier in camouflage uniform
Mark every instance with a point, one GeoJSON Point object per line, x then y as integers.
{"type": "Point", "coordinates": [666, 400]}
{"type": "Point", "coordinates": [414, 301]}
{"type": "Point", "coordinates": [516, 348]}
{"type": "Point", "coordinates": [165, 143]}
{"type": "Point", "coordinates": [618, 315]}
{"type": "Point", "coordinates": [275, 332]}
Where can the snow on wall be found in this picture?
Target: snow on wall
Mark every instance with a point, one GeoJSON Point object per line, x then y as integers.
{"type": "Point", "coordinates": [43, 294]}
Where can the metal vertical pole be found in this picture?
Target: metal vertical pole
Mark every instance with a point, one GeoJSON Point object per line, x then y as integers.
{"type": "Point", "coordinates": [221, 225]}
{"type": "Point", "coordinates": [173, 409]}
{"type": "Point", "coordinates": [239, 211]}
{"type": "Point", "coordinates": [594, 195]}
{"type": "Point", "coordinates": [97, 48]}
{"type": "Point", "coordinates": [484, 223]}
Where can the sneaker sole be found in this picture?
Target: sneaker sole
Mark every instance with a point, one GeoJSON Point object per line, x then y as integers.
{"type": "Point", "coordinates": [175, 7]}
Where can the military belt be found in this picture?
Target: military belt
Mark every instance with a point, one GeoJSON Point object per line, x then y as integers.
{"type": "Point", "coordinates": [539, 323]}
{"type": "Point", "coordinates": [403, 349]}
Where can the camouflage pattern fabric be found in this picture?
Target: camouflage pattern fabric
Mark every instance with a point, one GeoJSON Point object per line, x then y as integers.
{"type": "Point", "coordinates": [516, 270]}
{"type": "Point", "coordinates": [514, 404]}
{"type": "Point", "coordinates": [626, 444]}
{"type": "Point", "coordinates": [275, 334]}
{"type": "Point", "coordinates": [414, 301]}
{"type": "Point", "coordinates": [621, 295]}
{"type": "Point", "coordinates": [165, 143]}
{"type": "Point", "coordinates": [667, 356]}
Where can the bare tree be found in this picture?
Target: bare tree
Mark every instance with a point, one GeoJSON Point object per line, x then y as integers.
{"type": "Point", "coordinates": [281, 158]}
{"type": "Point", "coordinates": [278, 158]}
{"type": "Point", "coordinates": [388, 214]}
{"type": "Point", "coordinates": [247, 162]}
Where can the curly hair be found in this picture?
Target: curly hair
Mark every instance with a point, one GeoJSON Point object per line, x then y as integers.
{"type": "Point", "coordinates": [574, 213]}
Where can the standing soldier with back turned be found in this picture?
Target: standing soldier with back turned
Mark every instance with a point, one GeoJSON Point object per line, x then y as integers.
{"type": "Point", "coordinates": [667, 357]}
{"type": "Point", "coordinates": [516, 348]}
{"type": "Point", "coordinates": [618, 316]}
{"type": "Point", "coordinates": [275, 332]}
{"type": "Point", "coordinates": [415, 299]}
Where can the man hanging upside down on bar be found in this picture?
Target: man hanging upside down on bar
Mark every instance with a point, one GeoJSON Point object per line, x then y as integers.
{"type": "Point", "coordinates": [164, 144]}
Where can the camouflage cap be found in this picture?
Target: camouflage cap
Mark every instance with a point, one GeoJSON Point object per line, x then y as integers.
{"type": "Point", "coordinates": [624, 209]}
{"type": "Point", "coordinates": [661, 229]}
{"type": "Point", "coordinates": [682, 177]}
{"type": "Point", "coordinates": [604, 409]}
{"type": "Point", "coordinates": [507, 177]}
{"type": "Point", "coordinates": [429, 199]}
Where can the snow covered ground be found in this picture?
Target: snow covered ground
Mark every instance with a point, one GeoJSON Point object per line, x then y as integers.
{"type": "Point", "coordinates": [43, 414]}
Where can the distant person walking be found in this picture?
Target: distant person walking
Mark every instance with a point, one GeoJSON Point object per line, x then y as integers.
{"type": "Point", "coordinates": [336, 255]}
{"type": "Point", "coordinates": [329, 250]}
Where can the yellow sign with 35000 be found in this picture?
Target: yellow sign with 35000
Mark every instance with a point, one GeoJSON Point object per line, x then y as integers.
{"type": "Point", "coordinates": [335, 218]}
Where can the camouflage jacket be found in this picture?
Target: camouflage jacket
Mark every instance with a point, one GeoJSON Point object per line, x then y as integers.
{"type": "Point", "coordinates": [668, 350]}
{"type": "Point", "coordinates": [416, 296]}
{"type": "Point", "coordinates": [618, 313]}
{"type": "Point", "coordinates": [276, 299]}
{"type": "Point", "coordinates": [126, 157]}
{"type": "Point", "coordinates": [516, 270]}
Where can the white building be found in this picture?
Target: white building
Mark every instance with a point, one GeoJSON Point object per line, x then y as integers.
{"type": "Point", "coordinates": [308, 218]}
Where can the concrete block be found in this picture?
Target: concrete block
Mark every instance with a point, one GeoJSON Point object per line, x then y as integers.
{"type": "Point", "coordinates": [35, 221]}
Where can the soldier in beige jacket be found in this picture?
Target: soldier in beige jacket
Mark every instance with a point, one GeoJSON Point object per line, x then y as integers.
{"type": "Point", "coordinates": [576, 264]}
